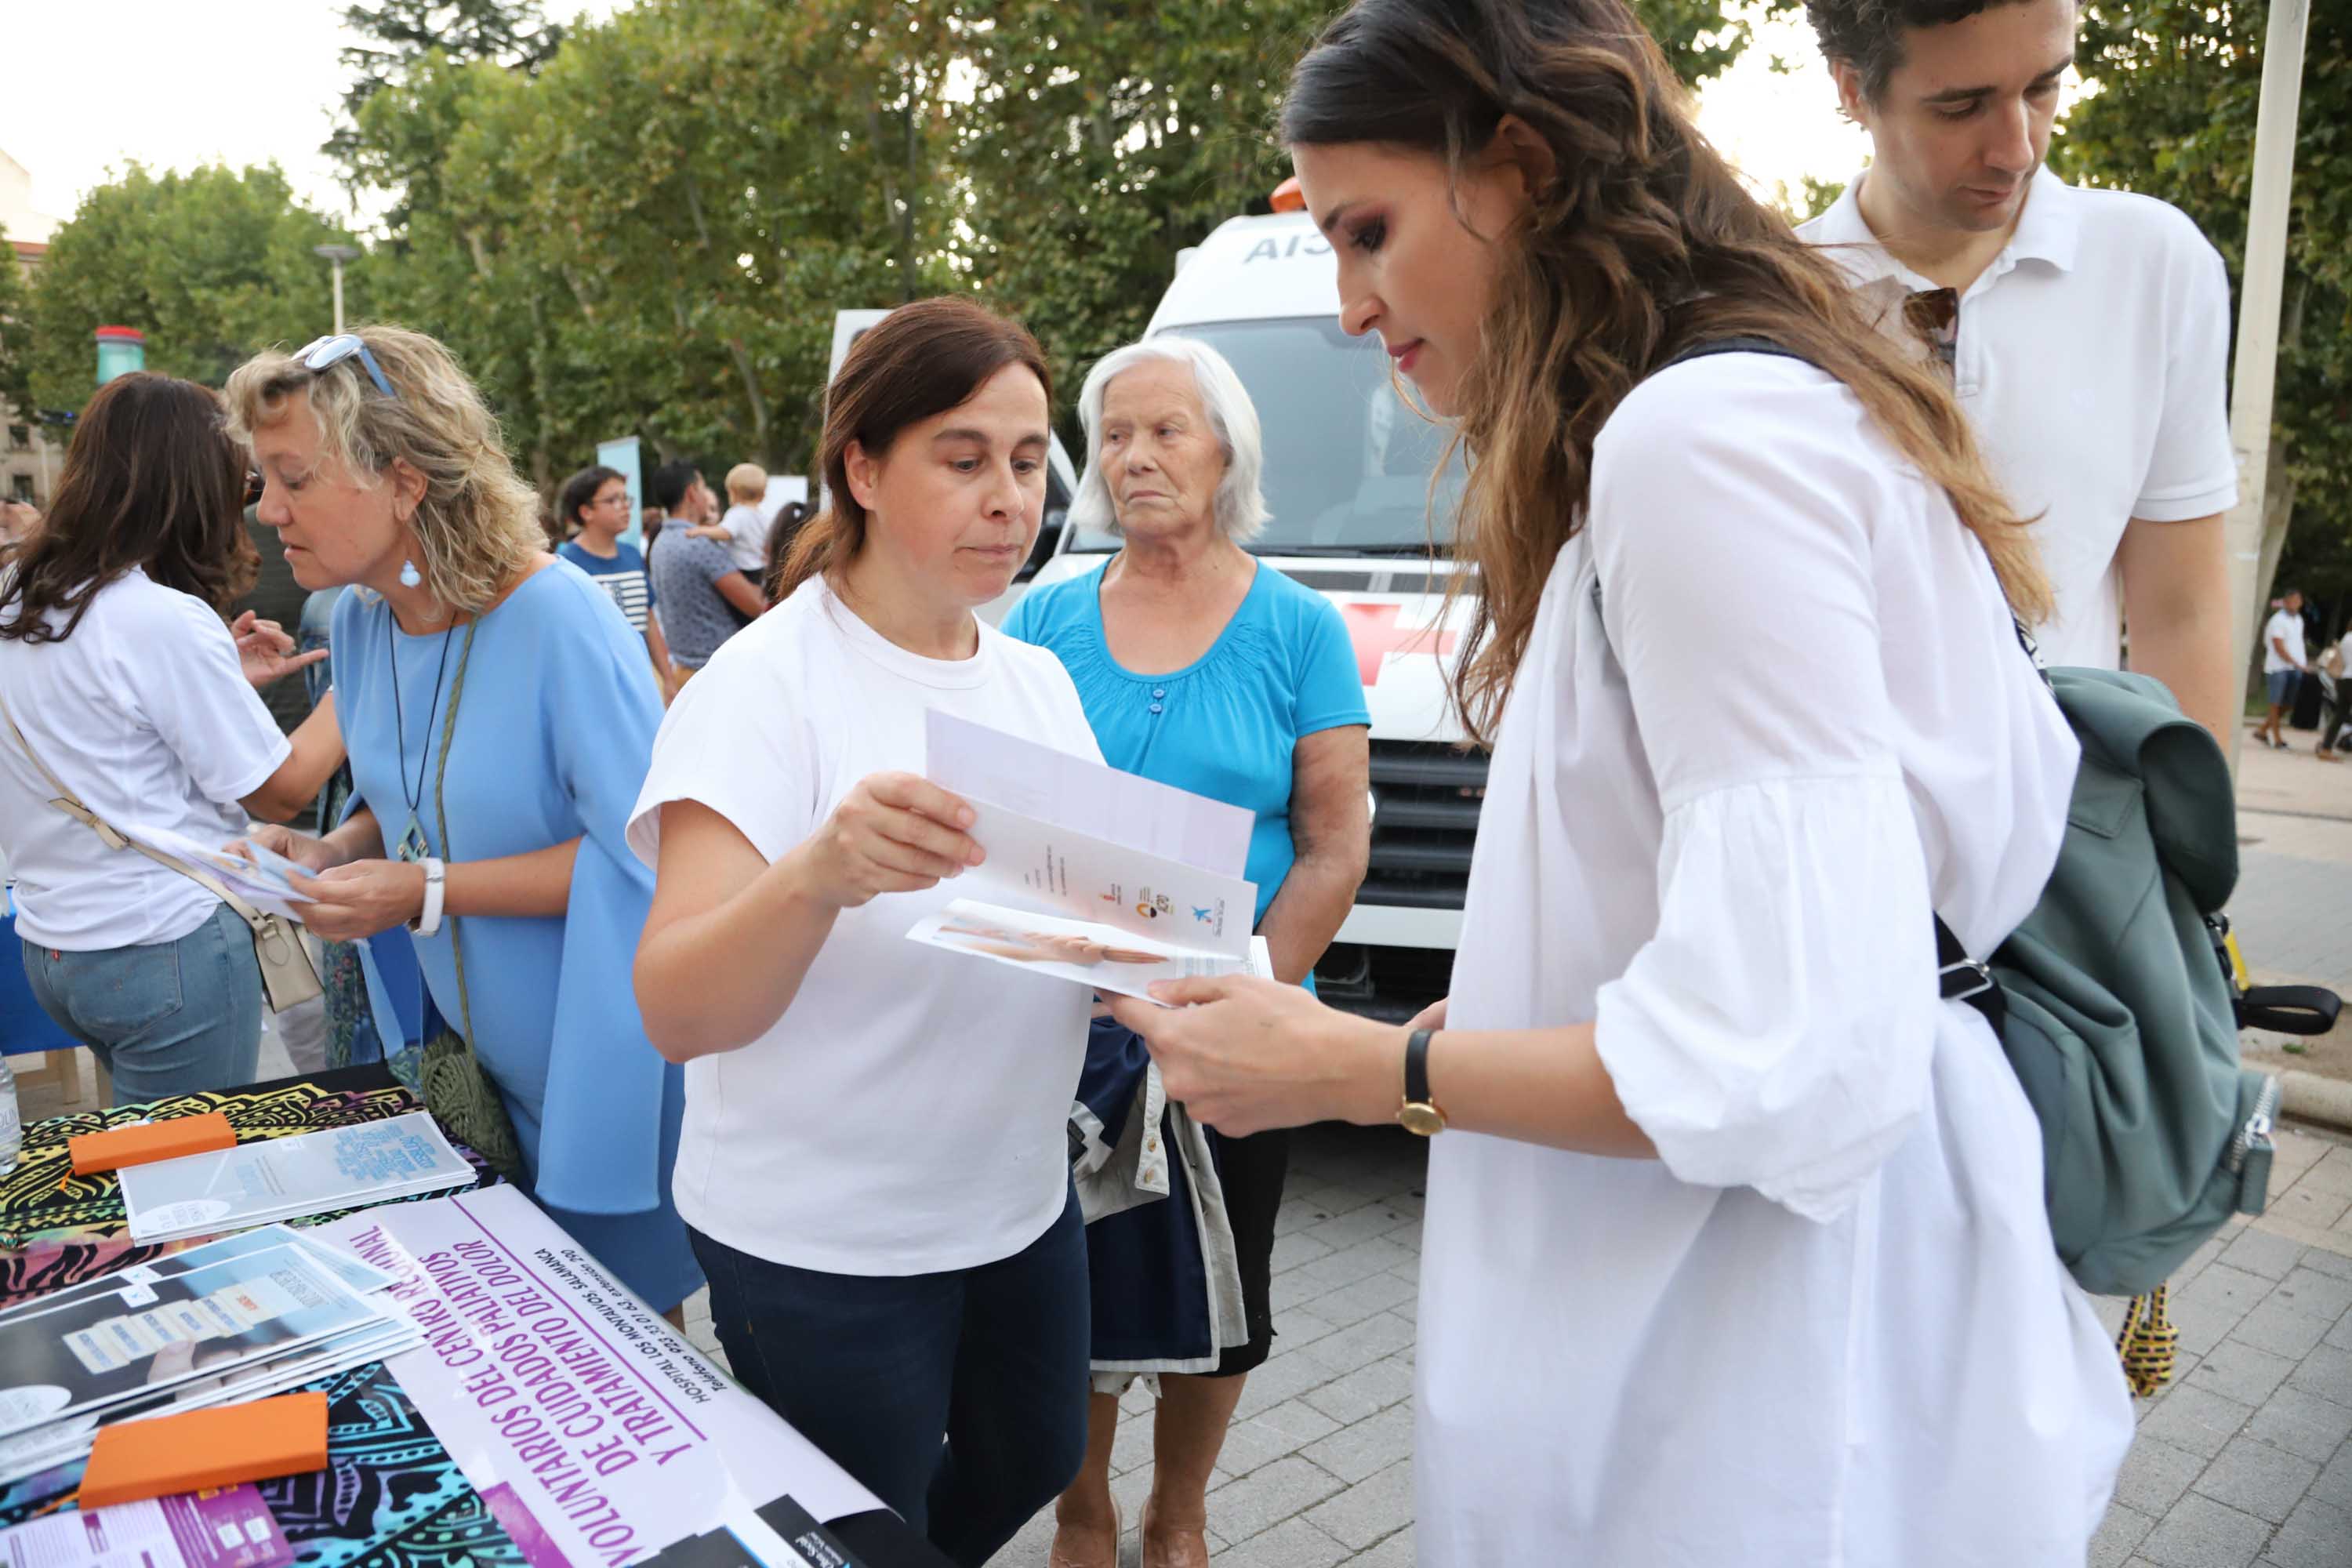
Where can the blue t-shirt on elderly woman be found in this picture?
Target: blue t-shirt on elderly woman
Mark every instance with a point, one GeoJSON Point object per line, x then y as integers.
{"type": "Point", "coordinates": [1223, 726]}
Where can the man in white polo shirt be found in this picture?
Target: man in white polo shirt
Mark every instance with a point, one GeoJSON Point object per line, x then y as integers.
{"type": "Point", "coordinates": [2086, 330]}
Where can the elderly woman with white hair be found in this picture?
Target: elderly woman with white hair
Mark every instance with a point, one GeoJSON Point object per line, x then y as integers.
{"type": "Point", "coordinates": [1200, 668]}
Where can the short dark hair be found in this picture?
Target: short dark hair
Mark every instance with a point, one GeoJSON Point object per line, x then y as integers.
{"type": "Point", "coordinates": [671, 481]}
{"type": "Point", "coordinates": [579, 492]}
{"type": "Point", "coordinates": [1868, 34]}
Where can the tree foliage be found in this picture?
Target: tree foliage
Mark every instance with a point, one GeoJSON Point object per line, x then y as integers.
{"type": "Point", "coordinates": [2173, 90]}
{"type": "Point", "coordinates": [211, 265]}
{"type": "Point", "coordinates": [15, 334]}
{"type": "Point", "coordinates": [645, 225]}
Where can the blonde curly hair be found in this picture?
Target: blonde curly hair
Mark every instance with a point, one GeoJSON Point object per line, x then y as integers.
{"type": "Point", "coordinates": [478, 523]}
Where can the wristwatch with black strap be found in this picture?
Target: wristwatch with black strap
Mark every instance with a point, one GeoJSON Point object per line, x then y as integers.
{"type": "Point", "coordinates": [1418, 1112]}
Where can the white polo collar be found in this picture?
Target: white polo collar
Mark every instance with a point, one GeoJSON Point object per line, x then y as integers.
{"type": "Point", "coordinates": [2049, 230]}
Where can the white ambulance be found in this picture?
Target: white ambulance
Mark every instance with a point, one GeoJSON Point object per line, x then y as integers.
{"type": "Point", "coordinates": [1348, 479]}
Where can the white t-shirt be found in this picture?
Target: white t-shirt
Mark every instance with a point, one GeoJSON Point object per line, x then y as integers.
{"type": "Point", "coordinates": [906, 1114]}
{"type": "Point", "coordinates": [2091, 359]}
{"type": "Point", "coordinates": [1827, 1324]}
{"type": "Point", "coordinates": [145, 714]}
{"type": "Point", "coordinates": [2285, 626]}
{"type": "Point", "coordinates": [747, 532]}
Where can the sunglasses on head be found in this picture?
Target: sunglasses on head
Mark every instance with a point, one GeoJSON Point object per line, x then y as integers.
{"type": "Point", "coordinates": [329, 352]}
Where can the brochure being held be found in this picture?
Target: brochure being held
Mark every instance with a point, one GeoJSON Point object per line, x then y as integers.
{"type": "Point", "coordinates": [1091, 955]}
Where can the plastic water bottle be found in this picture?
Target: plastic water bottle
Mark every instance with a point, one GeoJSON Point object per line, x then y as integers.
{"type": "Point", "coordinates": [11, 1126]}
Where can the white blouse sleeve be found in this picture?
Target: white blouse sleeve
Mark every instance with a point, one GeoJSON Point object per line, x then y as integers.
{"type": "Point", "coordinates": [1775, 1031]}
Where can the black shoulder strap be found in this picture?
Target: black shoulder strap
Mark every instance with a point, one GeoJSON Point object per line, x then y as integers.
{"type": "Point", "coordinates": [1713, 346]}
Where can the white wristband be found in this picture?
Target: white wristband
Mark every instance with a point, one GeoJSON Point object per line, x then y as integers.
{"type": "Point", "coordinates": [429, 923]}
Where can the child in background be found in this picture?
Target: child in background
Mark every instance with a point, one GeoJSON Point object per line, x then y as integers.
{"type": "Point", "coordinates": [744, 526]}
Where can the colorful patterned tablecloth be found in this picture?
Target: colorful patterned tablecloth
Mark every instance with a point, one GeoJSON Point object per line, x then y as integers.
{"type": "Point", "coordinates": [391, 1496]}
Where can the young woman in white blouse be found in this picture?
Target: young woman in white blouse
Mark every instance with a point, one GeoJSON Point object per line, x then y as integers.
{"type": "Point", "coordinates": [1735, 1249]}
{"type": "Point", "coordinates": [874, 1164]}
{"type": "Point", "coordinates": [129, 688]}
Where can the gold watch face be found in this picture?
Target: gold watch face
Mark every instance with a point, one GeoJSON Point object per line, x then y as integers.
{"type": "Point", "coordinates": [1426, 1120]}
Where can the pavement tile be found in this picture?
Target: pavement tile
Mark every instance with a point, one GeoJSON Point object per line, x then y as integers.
{"type": "Point", "coordinates": [2302, 1424]}
{"type": "Point", "coordinates": [2255, 1478]}
{"type": "Point", "coordinates": [2331, 1173]}
{"type": "Point", "coordinates": [2335, 1482]}
{"type": "Point", "coordinates": [2327, 1371]}
{"type": "Point", "coordinates": [2314, 1206]}
{"type": "Point", "coordinates": [1365, 1391]}
{"type": "Point", "coordinates": [1299, 1247]}
{"type": "Point", "coordinates": [2277, 1326]}
{"type": "Point", "coordinates": [2258, 1252]}
{"type": "Point", "coordinates": [1256, 1502]}
{"type": "Point", "coordinates": [2122, 1530]}
{"type": "Point", "coordinates": [2195, 1419]}
{"type": "Point", "coordinates": [2243, 1371]}
{"type": "Point", "coordinates": [1363, 1223]}
{"type": "Point", "coordinates": [1396, 1552]}
{"type": "Point", "coordinates": [2155, 1475]}
{"type": "Point", "coordinates": [1355, 1302]}
{"type": "Point", "coordinates": [2317, 1535]}
{"type": "Point", "coordinates": [2211, 1305]}
{"type": "Point", "coordinates": [1344, 1350]}
{"type": "Point", "coordinates": [1372, 1509]}
{"type": "Point", "coordinates": [2316, 1294]}
{"type": "Point", "coordinates": [1285, 1376]}
{"type": "Point", "coordinates": [2335, 1265]}
{"type": "Point", "coordinates": [1348, 1263]}
{"type": "Point", "coordinates": [1273, 1434]}
{"type": "Point", "coordinates": [1357, 1452]}
{"type": "Point", "coordinates": [1294, 1543]}
{"type": "Point", "coordinates": [2201, 1533]}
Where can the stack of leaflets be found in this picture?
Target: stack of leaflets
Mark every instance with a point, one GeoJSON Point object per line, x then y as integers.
{"type": "Point", "coordinates": [1092, 875]}
{"type": "Point", "coordinates": [242, 1318]}
{"type": "Point", "coordinates": [290, 1178]}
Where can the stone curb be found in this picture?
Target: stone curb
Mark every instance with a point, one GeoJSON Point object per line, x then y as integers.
{"type": "Point", "coordinates": [2325, 1101]}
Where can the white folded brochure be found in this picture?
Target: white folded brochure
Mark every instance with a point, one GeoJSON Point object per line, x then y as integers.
{"type": "Point", "coordinates": [289, 1178]}
{"type": "Point", "coordinates": [1089, 868]}
{"type": "Point", "coordinates": [261, 880]}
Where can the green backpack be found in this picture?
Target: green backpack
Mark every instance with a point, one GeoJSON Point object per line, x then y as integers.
{"type": "Point", "coordinates": [2115, 1002]}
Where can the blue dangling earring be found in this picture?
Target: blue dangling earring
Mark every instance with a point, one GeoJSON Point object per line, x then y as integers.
{"type": "Point", "coordinates": [408, 577]}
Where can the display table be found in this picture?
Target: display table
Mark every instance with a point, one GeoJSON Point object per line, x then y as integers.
{"type": "Point", "coordinates": [393, 1494]}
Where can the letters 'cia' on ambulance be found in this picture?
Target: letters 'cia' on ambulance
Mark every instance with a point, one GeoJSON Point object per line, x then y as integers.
{"type": "Point", "coordinates": [1348, 479]}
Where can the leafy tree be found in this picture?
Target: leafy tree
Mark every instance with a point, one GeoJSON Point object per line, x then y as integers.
{"type": "Point", "coordinates": [398, 34]}
{"type": "Point", "coordinates": [16, 334]}
{"type": "Point", "coordinates": [2169, 109]}
{"type": "Point", "coordinates": [212, 265]}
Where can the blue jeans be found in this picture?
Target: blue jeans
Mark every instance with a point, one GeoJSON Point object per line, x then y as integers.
{"type": "Point", "coordinates": [171, 1017]}
{"type": "Point", "coordinates": [876, 1370]}
{"type": "Point", "coordinates": [2281, 684]}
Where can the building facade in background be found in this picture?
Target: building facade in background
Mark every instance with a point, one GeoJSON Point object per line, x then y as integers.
{"type": "Point", "coordinates": [29, 458]}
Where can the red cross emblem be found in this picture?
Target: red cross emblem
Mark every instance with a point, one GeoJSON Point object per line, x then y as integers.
{"type": "Point", "coordinates": [1373, 629]}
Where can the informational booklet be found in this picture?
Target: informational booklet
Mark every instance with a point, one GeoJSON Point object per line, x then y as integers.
{"type": "Point", "coordinates": [100, 1350]}
{"type": "Point", "coordinates": [1091, 846]}
{"type": "Point", "coordinates": [256, 874]}
{"type": "Point", "coordinates": [286, 1178]}
{"type": "Point", "coordinates": [1091, 955]}
{"type": "Point", "coordinates": [228, 1528]}
{"type": "Point", "coordinates": [360, 1279]}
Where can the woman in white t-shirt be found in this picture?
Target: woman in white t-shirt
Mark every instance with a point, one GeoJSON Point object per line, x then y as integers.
{"type": "Point", "coordinates": [126, 683]}
{"type": "Point", "coordinates": [1736, 1252]}
{"type": "Point", "coordinates": [874, 1162]}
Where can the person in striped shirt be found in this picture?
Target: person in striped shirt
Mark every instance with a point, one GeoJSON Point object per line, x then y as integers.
{"type": "Point", "coordinates": [595, 502]}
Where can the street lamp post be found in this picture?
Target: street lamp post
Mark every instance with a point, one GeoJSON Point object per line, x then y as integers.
{"type": "Point", "coordinates": [338, 254]}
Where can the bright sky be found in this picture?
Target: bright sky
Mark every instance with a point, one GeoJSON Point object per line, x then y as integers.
{"type": "Point", "coordinates": [97, 83]}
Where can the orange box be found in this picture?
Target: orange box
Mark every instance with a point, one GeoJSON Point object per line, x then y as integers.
{"type": "Point", "coordinates": [217, 1448]}
{"type": "Point", "coordinates": [167, 1139]}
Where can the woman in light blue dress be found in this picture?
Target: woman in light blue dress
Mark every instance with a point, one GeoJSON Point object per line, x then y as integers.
{"type": "Point", "coordinates": [499, 715]}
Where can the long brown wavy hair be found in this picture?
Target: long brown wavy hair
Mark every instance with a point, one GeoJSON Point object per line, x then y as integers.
{"type": "Point", "coordinates": [1641, 244]}
{"type": "Point", "coordinates": [153, 480]}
